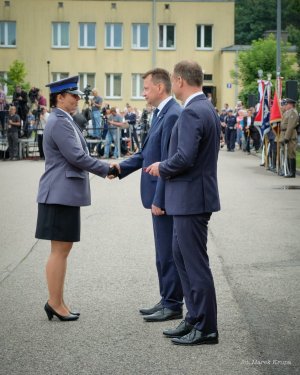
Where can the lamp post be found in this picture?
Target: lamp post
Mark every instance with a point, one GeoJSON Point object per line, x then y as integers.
{"type": "Point", "coordinates": [48, 65]}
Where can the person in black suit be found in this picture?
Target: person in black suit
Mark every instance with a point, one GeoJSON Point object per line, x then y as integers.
{"type": "Point", "coordinates": [191, 195]}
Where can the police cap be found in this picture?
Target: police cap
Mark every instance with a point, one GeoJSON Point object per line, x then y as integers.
{"type": "Point", "coordinates": [283, 102]}
{"type": "Point", "coordinates": [289, 100]}
{"type": "Point", "coordinates": [68, 85]}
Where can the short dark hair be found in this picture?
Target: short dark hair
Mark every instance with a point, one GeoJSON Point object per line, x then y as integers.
{"type": "Point", "coordinates": [53, 98]}
{"type": "Point", "coordinates": [159, 75]}
{"type": "Point", "coordinates": [190, 71]}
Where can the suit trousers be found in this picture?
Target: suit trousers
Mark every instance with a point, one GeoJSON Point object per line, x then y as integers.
{"type": "Point", "coordinates": [169, 282]}
{"type": "Point", "coordinates": [12, 137]}
{"type": "Point", "coordinates": [231, 139]}
{"type": "Point", "coordinates": [191, 258]}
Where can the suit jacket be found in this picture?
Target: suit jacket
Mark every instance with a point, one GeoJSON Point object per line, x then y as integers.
{"type": "Point", "coordinates": [66, 179]}
{"type": "Point", "coordinates": [190, 171]}
{"type": "Point", "coordinates": [155, 148]}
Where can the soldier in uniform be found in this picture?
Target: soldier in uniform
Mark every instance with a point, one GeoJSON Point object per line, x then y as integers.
{"type": "Point", "coordinates": [288, 134]}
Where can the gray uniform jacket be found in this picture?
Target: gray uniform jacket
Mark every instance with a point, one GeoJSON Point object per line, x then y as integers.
{"type": "Point", "coordinates": [66, 178]}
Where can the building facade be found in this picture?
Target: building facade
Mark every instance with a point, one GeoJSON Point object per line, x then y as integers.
{"type": "Point", "coordinates": [110, 44]}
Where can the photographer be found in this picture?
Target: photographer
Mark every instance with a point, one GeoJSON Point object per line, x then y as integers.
{"type": "Point", "coordinates": [145, 123]}
{"type": "Point", "coordinates": [14, 124]}
{"type": "Point", "coordinates": [104, 113]}
{"type": "Point", "coordinates": [20, 102]}
{"type": "Point", "coordinates": [114, 121]}
{"type": "Point", "coordinates": [32, 95]}
{"type": "Point", "coordinates": [96, 113]}
{"type": "Point", "coordinates": [130, 118]}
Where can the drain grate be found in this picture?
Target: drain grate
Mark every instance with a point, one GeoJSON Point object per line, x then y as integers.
{"type": "Point", "coordinates": [287, 187]}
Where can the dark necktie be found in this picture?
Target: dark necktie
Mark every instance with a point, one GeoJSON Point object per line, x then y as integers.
{"type": "Point", "coordinates": [154, 117]}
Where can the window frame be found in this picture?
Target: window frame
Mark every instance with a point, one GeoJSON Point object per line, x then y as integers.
{"type": "Point", "coordinates": [112, 33]}
{"type": "Point", "coordinates": [111, 84]}
{"type": "Point", "coordinates": [202, 41]}
{"type": "Point", "coordinates": [164, 47]}
{"type": "Point", "coordinates": [138, 36]}
{"type": "Point", "coordinates": [58, 76]}
{"type": "Point", "coordinates": [82, 83]}
{"type": "Point", "coordinates": [85, 35]}
{"type": "Point", "coordinates": [6, 34]}
{"type": "Point", "coordinates": [139, 85]}
{"type": "Point", "coordinates": [59, 35]}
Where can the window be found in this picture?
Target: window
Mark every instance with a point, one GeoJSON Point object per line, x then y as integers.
{"type": "Point", "coordinates": [137, 86]}
{"type": "Point", "coordinates": [59, 76]}
{"type": "Point", "coordinates": [7, 34]}
{"type": "Point", "coordinates": [204, 36]}
{"type": "Point", "coordinates": [3, 80]}
{"type": "Point", "coordinates": [207, 77]}
{"type": "Point", "coordinates": [140, 38]}
{"type": "Point", "coordinates": [60, 35]}
{"type": "Point", "coordinates": [86, 79]}
{"type": "Point", "coordinates": [113, 85]}
{"type": "Point", "coordinates": [113, 35]}
{"type": "Point", "coordinates": [166, 36]}
{"type": "Point", "coordinates": [87, 35]}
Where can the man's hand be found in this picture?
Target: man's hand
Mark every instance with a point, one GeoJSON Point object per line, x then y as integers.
{"type": "Point", "coordinates": [153, 169]}
{"type": "Point", "coordinates": [157, 211]}
{"type": "Point", "coordinates": [114, 171]}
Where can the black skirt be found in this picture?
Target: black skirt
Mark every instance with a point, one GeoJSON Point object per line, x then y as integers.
{"type": "Point", "coordinates": [58, 223]}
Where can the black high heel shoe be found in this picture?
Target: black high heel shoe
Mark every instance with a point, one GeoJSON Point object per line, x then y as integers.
{"type": "Point", "coordinates": [50, 313]}
{"type": "Point", "coordinates": [75, 313]}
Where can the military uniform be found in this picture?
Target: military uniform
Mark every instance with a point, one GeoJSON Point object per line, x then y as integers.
{"type": "Point", "coordinates": [288, 135]}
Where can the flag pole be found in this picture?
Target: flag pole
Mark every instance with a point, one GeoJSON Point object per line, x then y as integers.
{"type": "Point", "coordinates": [279, 79]}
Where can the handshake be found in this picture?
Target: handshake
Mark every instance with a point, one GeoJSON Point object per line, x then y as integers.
{"type": "Point", "coordinates": [115, 170]}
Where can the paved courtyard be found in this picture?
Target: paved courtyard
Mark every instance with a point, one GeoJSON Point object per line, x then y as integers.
{"type": "Point", "coordinates": [254, 250]}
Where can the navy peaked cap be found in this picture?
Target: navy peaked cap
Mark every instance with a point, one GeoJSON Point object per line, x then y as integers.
{"type": "Point", "coordinates": [68, 85]}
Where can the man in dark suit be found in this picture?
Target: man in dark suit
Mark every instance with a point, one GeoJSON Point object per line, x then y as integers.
{"type": "Point", "coordinates": [191, 188]}
{"type": "Point", "coordinates": [157, 92]}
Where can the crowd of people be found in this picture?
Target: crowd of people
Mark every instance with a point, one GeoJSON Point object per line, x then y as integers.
{"type": "Point", "coordinates": [98, 121]}
{"type": "Point", "coordinates": [24, 117]}
{"type": "Point", "coordinates": [238, 128]}
{"type": "Point", "coordinates": [278, 145]}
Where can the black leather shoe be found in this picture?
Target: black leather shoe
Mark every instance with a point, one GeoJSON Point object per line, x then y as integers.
{"type": "Point", "coordinates": [162, 315]}
{"type": "Point", "coordinates": [152, 310]}
{"type": "Point", "coordinates": [196, 337]}
{"type": "Point", "coordinates": [181, 330]}
{"type": "Point", "coordinates": [51, 312]}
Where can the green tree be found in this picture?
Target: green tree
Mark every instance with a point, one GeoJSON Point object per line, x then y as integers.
{"type": "Point", "coordinates": [16, 76]}
{"type": "Point", "coordinates": [262, 55]}
{"type": "Point", "coordinates": [254, 17]}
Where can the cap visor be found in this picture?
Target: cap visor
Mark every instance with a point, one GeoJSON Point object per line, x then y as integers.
{"type": "Point", "coordinates": [75, 92]}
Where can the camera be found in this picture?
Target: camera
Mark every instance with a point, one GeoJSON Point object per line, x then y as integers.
{"type": "Point", "coordinates": [104, 111]}
{"type": "Point", "coordinates": [144, 116]}
{"type": "Point", "coordinates": [33, 94]}
{"type": "Point", "coordinates": [87, 92]}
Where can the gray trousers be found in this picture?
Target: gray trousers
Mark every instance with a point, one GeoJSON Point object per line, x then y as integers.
{"type": "Point", "coordinates": [12, 138]}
